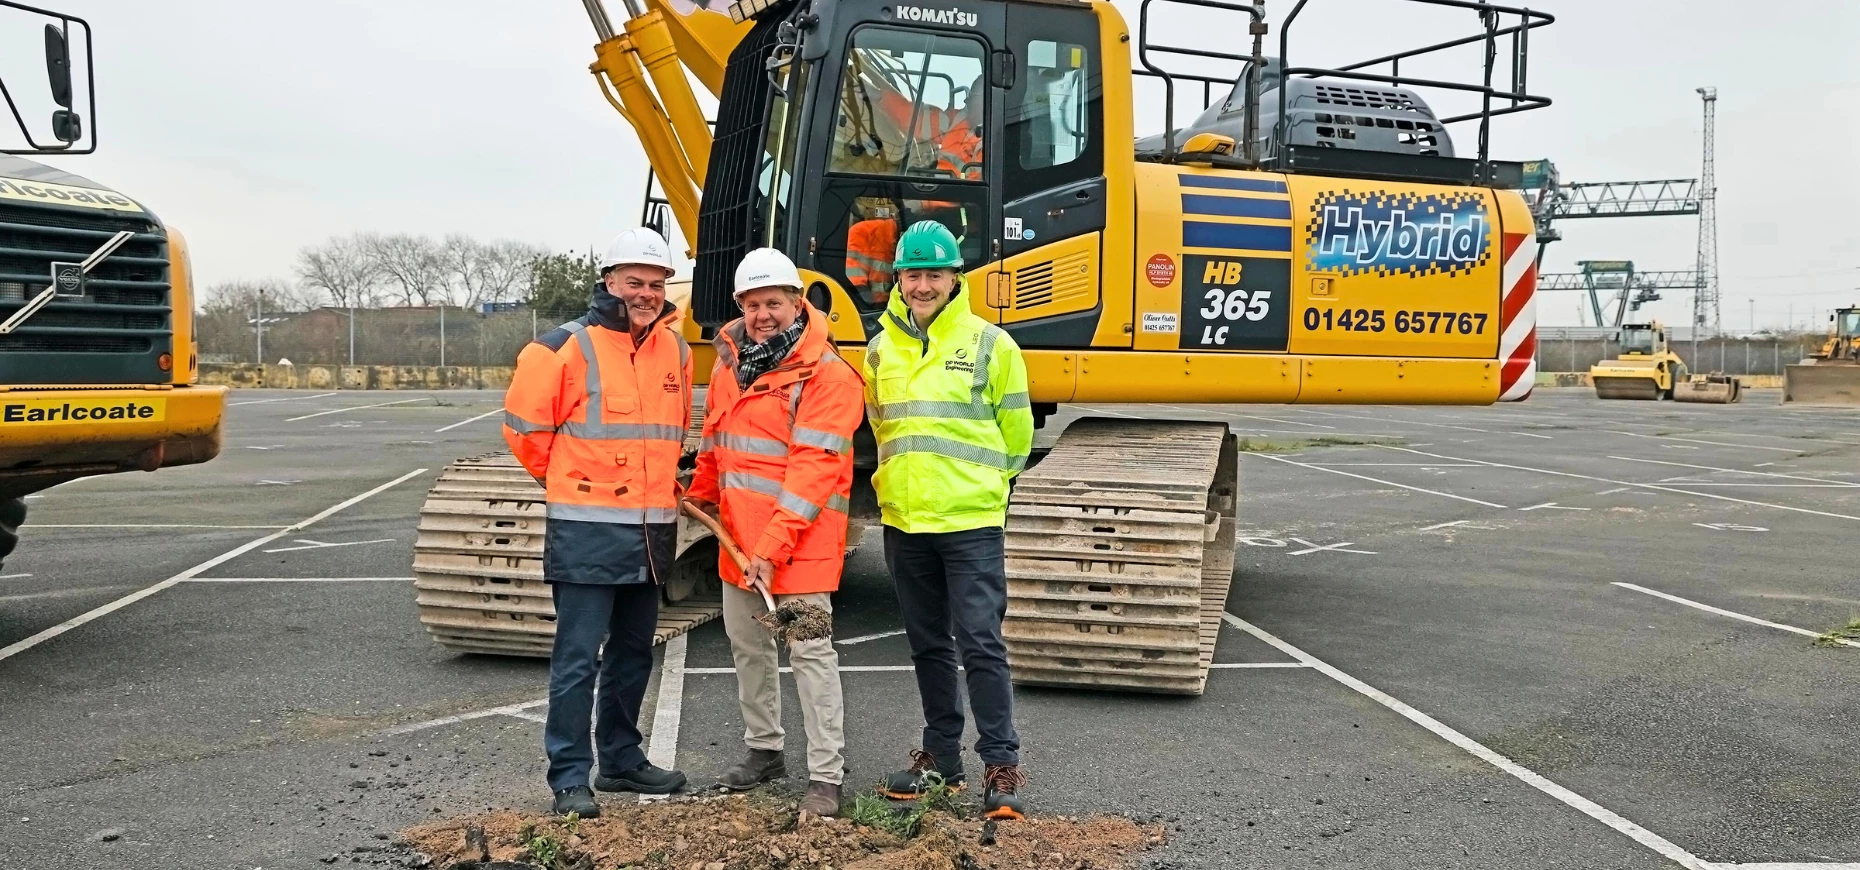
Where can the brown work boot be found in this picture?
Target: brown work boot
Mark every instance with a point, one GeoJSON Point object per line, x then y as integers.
{"type": "Point", "coordinates": [1000, 798]}
{"type": "Point", "coordinates": [822, 799]}
{"type": "Point", "coordinates": [761, 766]}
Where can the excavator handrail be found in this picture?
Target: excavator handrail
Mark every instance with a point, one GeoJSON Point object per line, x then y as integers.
{"type": "Point", "coordinates": [1521, 100]}
{"type": "Point", "coordinates": [1249, 150]}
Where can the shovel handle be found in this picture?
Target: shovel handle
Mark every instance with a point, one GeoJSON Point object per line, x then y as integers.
{"type": "Point", "coordinates": [723, 538]}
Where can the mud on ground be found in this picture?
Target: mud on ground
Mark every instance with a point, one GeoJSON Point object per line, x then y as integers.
{"type": "Point", "coordinates": [760, 831]}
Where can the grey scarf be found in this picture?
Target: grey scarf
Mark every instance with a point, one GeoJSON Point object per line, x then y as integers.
{"type": "Point", "coordinates": [757, 360]}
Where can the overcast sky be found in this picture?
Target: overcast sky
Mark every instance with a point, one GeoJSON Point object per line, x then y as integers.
{"type": "Point", "coordinates": [260, 127]}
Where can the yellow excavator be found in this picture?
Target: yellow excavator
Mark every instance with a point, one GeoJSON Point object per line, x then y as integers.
{"type": "Point", "coordinates": [1314, 235]}
{"type": "Point", "coordinates": [1831, 376]}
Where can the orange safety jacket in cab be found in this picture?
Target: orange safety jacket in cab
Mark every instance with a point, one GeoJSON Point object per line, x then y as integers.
{"type": "Point", "coordinates": [777, 457]}
{"type": "Point", "coordinates": [601, 422]}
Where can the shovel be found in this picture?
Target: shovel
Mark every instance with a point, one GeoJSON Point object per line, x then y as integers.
{"type": "Point", "coordinates": [792, 621]}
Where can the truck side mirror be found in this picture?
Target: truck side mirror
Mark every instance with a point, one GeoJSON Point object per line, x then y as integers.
{"type": "Point", "coordinates": [58, 65]}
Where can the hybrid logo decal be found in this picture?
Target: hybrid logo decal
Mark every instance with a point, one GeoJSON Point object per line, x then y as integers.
{"type": "Point", "coordinates": [1398, 233]}
{"type": "Point", "coordinates": [952, 15]}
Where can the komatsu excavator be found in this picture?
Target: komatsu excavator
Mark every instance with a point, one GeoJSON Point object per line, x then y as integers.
{"type": "Point", "coordinates": [1314, 236]}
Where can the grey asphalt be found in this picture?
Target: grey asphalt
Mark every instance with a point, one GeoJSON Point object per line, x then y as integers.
{"type": "Point", "coordinates": [243, 724]}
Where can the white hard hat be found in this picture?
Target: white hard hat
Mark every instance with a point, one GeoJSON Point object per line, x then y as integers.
{"type": "Point", "coordinates": [765, 267]}
{"type": "Point", "coordinates": [639, 246]}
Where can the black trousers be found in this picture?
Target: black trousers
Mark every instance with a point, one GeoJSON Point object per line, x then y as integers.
{"type": "Point", "coordinates": [953, 588]}
{"type": "Point", "coordinates": [625, 614]}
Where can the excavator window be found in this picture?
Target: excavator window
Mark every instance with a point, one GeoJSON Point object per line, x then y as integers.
{"type": "Point", "coordinates": [905, 106]}
{"type": "Point", "coordinates": [1637, 341]}
{"type": "Point", "coordinates": [1049, 112]}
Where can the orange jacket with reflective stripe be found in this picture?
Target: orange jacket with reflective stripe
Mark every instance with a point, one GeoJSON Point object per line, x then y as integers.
{"type": "Point", "coordinates": [870, 245]}
{"type": "Point", "coordinates": [601, 422]}
{"type": "Point", "coordinates": [777, 458]}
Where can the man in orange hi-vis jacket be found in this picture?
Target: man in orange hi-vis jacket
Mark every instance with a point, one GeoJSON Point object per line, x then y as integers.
{"type": "Point", "coordinates": [597, 411]}
{"type": "Point", "coordinates": [777, 457]}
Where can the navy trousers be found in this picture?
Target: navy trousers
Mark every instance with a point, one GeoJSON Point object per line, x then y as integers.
{"type": "Point", "coordinates": [625, 614]}
{"type": "Point", "coordinates": [953, 589]}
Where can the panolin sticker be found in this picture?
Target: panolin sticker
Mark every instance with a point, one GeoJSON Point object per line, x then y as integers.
{"type": "Point", "coordinates": [1161, 271]}
{"type": "Point", "coordinates": [1159, 321]}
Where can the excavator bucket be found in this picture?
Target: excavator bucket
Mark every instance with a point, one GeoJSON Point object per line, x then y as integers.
{"type": "Point", "coordinates": [1712, 389]}
{"type": "Point", "coordinates": [1823, 383]}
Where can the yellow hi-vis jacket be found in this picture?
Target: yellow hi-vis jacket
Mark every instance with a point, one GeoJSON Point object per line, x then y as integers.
{"type": "Point", "coordinates": [949, 408]}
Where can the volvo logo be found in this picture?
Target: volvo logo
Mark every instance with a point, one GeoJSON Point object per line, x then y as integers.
{"type": "Point", "coordinates": [68, 278]}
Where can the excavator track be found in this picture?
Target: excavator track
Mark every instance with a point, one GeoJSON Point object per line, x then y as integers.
{"type": "Point", "coordinates": [1120, 550]}
{"type": "Point", "coordinates": [477, 563]}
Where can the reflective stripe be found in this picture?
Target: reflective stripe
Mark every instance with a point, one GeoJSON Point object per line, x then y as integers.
{"type": "Point", "coordinates": [624, 431]}
{"type": "Point", "coordinates": [936, 409]}
{"type": "Point", "coordinates": [586, 341]}
{"type": "Point", "coordinates": [751, 482]}
{"type": "Point", "coordinates": [1014, 402]}
{"type": "Point", "coordinates": [984, 353]}
{"type": "Point", "coordinates": [705, 444]}
{"type": "Point", "coordinates": [801, 507]}
{"type": "Point", "coordinates": [588, 513]}
{"type": "Point", "coordinates": [823, 440]}
{"type": "Point", "coordinates": [794, 403]}
{"type": "Point", "coordinates": [951, 448]}
{"type": "Point", "coordinates": [809, 511]}
{"type": "Point", "coordinates": [525, 427]}
{"type": "Point", "coordinates": [1017, 463]}
{"type": "Point", "coordinates": [750, 444]}
{"type": "Point", "coordinates": [872, 413]}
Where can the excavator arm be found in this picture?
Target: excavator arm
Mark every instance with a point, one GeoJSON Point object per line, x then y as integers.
{"type": "Point", "coordinates": [641, 70]}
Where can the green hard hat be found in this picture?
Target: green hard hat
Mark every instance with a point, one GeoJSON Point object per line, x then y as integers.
{"type": "Point", "coordinates": [927, 245]}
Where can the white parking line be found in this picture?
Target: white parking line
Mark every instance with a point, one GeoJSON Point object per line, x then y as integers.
{"type": "Point", "coordinates": [1339, 548]}
{"type": "Point", "coordinates": [1245, 416]}
{"type": "Point", "coordinates": [1702, 441]}
{"type": "Point", "coordinates": [285, 399]}
{"type": "Point", "coordinates": [1734, 615]}
{"type": "Point", "coordinates": [1638, 834]}
{"type": "Point", "coordinates": [36, 526]}
{"type": "Point", "coordinates": [1377, 480]}
{"type": "Point", "coordinates": [463, 422]}
{"type": "Point", "coordinates": [298, 580]}
{"type": "Point", "coordinates": [1786, 865]}
{"type": "Point", "coordinates": [14, 576]}
{"type": "Point", "coordinates": [662, 749]}
{"type": "Point", "coordinates": [863, 638]}
{"type": "Point", "coordinates": [443, 721]}
{"type": "Point", "coordinates": [899, 669]}
{"type": "Point", "coordinates": [1102, 411]}
{"type": "Point", "coordinates": [356, 408]}
{"type": "Point", "coordinates": [308, 544]}
{"type": "Point", "coordinates": [1736, 471]}
{"type": "Point", "coordinates": [1653, 486]}
{"type": "Point", "coordinates": [20, 646]}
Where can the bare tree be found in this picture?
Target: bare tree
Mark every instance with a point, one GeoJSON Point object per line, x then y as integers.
{"type": "Point", "coordinates": [344, 268]}
{"type": "Point", "coordinates": [415, 265]}
{"type": "Point", "coordinates": [489, 271]}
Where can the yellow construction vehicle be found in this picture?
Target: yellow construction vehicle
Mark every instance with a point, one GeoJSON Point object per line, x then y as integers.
{"type": "Point", "coordinates": [1831, 376]}
{"type": "Point", "coordinates": [97, 359]}
{"type": "Point", "coordinates": [1312, 236]}
{"type": "Point", "coordinates": [1645, 369]}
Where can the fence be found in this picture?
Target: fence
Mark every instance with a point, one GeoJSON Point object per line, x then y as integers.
{"type": "Point", "coordinates": [1731, 355]}
{"type": "Point", "coordinates": [418, 336]}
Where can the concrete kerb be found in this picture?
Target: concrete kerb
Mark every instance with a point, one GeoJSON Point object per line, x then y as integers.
{"type": "Point", "coordinates": [336, 377]}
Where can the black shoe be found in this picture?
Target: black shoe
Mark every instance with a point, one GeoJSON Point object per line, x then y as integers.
{"type": "Point", "coordinates": [577, 799]}
{"type": "Point", "coordinates": [910, 783]}
{"type": "Point", "coordinates": [1001, 785]}
{"type": "Point", "coordinates": [644, 779]}
{"type": "Point", "coordinates": [761, 766]}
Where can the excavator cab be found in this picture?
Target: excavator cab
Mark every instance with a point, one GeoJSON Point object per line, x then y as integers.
{"type": "Point", "coordinates": [1641, 339]}
{"type": "Point", "coordinates": [1846, 335]}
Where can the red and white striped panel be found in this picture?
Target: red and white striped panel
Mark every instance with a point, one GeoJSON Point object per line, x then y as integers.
{"type": "Point", "coordinates": [1517, 337]}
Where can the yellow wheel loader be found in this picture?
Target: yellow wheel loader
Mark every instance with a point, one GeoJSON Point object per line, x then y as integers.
{"type": "Point", "coordinates": [1314, 235]}
{"type": "Point", "coordinates": [1831, 376]}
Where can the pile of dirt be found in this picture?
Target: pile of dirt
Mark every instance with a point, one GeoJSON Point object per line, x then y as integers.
{"type": "Point", "coordinates": [761, 831]}
{"type": "Point", "coordinates": [796, 621]}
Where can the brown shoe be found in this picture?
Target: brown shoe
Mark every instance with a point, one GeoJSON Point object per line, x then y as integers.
{"type": "Point", "coordinates": [822, 799]}
{"type": "Point", "coordinates": [761, 766]}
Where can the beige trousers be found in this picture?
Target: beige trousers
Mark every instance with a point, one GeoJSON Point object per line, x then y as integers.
{"type": "Point", "coordinates": [758, 685]}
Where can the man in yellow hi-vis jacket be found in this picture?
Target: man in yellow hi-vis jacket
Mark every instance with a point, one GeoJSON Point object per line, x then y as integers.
{"type": "Point", "coordinates": [946, 394]}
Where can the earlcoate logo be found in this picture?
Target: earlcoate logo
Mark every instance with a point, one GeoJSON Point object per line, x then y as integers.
{"type": "Point", "coordinates": [952, 15]}
{"type": "Point", "coordinates": [1398, 233]}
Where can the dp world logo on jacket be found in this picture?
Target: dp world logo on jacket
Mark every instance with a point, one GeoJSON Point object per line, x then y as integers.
{"type": "Point", "coordinates": [1398, 233]}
